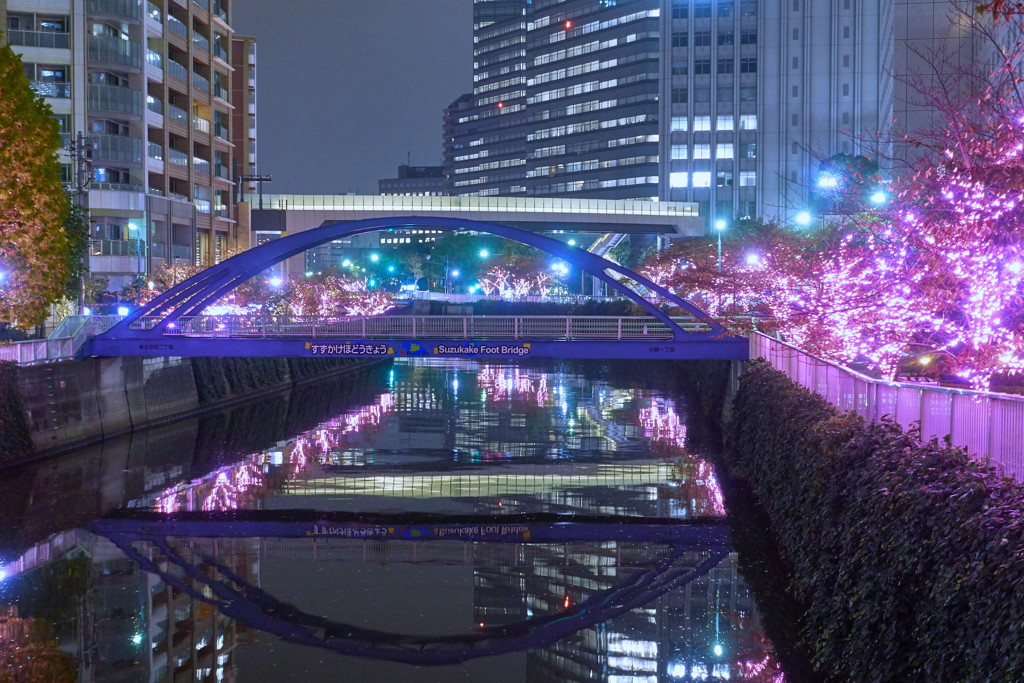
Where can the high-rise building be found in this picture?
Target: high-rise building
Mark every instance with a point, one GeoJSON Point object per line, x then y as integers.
{"type": "Point", "coordinates": [728, 103]}
{"type": "Point", "coordinates": [145, 87]}
{"type": "Point", "coordinates": [424, 181]}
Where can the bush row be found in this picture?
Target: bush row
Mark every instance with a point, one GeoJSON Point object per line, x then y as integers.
{"type": "Point", "coordinates": [909, 556]}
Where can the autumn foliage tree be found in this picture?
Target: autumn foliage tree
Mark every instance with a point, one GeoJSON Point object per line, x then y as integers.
{"type": "Point", "coordinates": [34, 250]}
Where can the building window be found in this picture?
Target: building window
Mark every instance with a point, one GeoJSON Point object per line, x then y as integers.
{"type": "Point", "coordinates": [846, 89]}
{"type": "Point", "coordinates": [725, 66]}
{"type": "Point", "coordinates": [726, 38]}
{"type": "Point", "coordinates": [725, 94]}
{"type": "Point", "coordinates": [723, 179]}
{"type": "Point", "coordinates": [796, 91]}
{"type": "Point", "coordinates": [724, 123]}
{"type": "Point", "coordinates": [680, 151]}
{"type": "Point", "coordinates": [748, 8]}
{"type": "Point", "coordinates": [748, 65]}
{"type": "Point", "coordinates": [702, 151]}
{"type": "Point", "coordinates": [680, 123]}
{"type": "Point", "coordinates": [846, 32]}
{"type": "Point", "coordinates": [679, 95]}
{"type": "Point", "coordinates": [681, 9]}
{"type": "Point", "coordinates": [679, 39]}
{"type": "Point", "coordinates": [748, 94]}
{"type": "Point", "coordinates": [748, 178]}
{"type": "Point", "coordinates": [748, 37]}
{"type": "Point", "coordinates": [748, 150]}
{"type": "Point", "coordinates": [846, 60]}
{"type": "Point", "coordinates": [702, 94]}
{"type": "Point", "coordinates": [702, 39]}
{"type": "Point", "coordinates": [679, 179]}
{"type": "Point", "coordinates": [748, 122]}
{"type": "Point", "coordinates": [725, 8]}
{"type": "Point", "coordinates": [702, 9]}
{"type": "Point", "coordinates": [796, 62]}
{"type": "Point", "coordinates": [701, 67]}
{"type": "Point", "coordinates": [680, 67]}
{"type": "Point", "coordinates": [724, 150]}
{"type": "Point", "coordinates": [702, 179]}
{"type": "Point", "coordinates": [701, 123]}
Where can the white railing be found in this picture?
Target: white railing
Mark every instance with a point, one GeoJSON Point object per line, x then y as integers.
{"type": "Point", "coordinates": [987, 424]}
{"type": "Point", "coordinates": [429, 326]}
{"type": "Point", "coordinates": [62, 344]}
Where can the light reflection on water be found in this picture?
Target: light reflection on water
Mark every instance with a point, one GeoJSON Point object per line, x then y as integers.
{"type": "Point", "coordinates": [483, 442]}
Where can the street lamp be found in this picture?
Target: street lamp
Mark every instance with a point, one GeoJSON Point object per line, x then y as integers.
{"type": "Point", "coordinates": [719, 227]}
{"type": "Point", "coordinates": [803, 219]}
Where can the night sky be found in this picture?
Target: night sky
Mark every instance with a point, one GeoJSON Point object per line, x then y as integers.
{"type": "Point", "coordinates": [347, 90]}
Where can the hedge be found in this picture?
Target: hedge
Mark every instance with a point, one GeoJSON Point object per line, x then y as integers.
{"type": "Point", "coordinates": [909, 556]}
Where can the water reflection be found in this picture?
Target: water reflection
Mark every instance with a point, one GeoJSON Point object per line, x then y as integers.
{"type": "Point", "coordinates": [426, 524]}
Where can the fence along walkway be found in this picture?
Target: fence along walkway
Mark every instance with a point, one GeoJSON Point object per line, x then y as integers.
{"type": "Point", "coordinates": [62, 344]}
{"type": "Point", "coordinates": [988, 425]}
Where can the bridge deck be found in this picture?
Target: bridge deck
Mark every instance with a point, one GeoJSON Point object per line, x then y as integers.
{"type": "Point", "coordinates": [406, 335]}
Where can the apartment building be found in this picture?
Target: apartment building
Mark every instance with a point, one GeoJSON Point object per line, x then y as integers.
{"type": "Point", "coordinates": [727, 103]}
{"type": "Point", "coordinates": [146, 86]}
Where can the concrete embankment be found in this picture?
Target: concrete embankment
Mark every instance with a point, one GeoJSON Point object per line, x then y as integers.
{"type": "Point", "coordinates": [58, 406]}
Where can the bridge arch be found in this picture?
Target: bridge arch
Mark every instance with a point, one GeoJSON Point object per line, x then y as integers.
{"type": "Point", "coordinates": [203, 289]}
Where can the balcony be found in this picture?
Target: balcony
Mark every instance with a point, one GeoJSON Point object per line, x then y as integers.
{"type": "Point", "coordinates": [39, 39]}
{"type": "Point", "coordinates": [177, 158]}
{"type": "Point", "coordinates": [200, 165]}
{"type": "Point", "coordinates": [201, 83]}
{"type": "Point", "coordinates": [203, 205]}
{"type": "Point", "coordinates": [177, 26]}
{"type": "Point", "coordinates": [177, 114]}
{"type": "Point", "coordinates": [177, 70]}
{"type": "Point", "coordinates": [155, 59]}
{"type": "Point", "coordinates": [118, 148]}
{"type": "Point", "coordinates": [155, 151]}
{"type": "Point", "coordinates": [219, 11]}
{"type": "Point", "coordinates": [154, 12]}
{"type": "Point", "coordinates": [200, 41]}
{"type": "Point", "coordinates": [111, 50]}
{"type": "Point", "coordinates": [221, 131]}
{"type": "Point", "coordinates": [204, 4]}
{"type": "Point", "coordinates": [114, 98]}
{"type": "Point", "coordinates": [116, 247]}
{"type": "Point", "coordinates": [220, 53]}
{"type": "Point", "coordinates": [127, 9]}
{"type": "Point", "coordinates": [50, 89]}
{"type": "Point", "coordinates": [181, 251]}
{"type": "Point", "coordinates": [221, 171]}
{"type": "Point", "coordinates": [200, 124]}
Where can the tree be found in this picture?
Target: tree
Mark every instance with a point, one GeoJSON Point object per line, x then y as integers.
{"type": "Point", "coordinates": [34, 252]}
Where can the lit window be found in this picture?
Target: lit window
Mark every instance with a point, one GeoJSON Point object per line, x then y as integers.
{"type": "Point", "coordinates": [680, 123]}
{"type": "Point", "coordinates": [724, 123]}
{"type": "Point", "coordinates": [724, 150]}
{"type": "Point", "coordinates": [702, 151]}
{"type": "Point", "coordinates": [748, 122]}
{"type": "Point", "coordinates": [748, 178]}
{"type": "Point", "coordinates": [701, 123]}
{"type": "Point", "coordinates": [702, 179]}
{"type": "Point", "coordinates": [680, 151]}
{"type": "Point", "coordinates": [680, 179]}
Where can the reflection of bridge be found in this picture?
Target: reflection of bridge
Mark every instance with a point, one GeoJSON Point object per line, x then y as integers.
{"type": "Point", "coordinates": [689, 550]}
{"type": "Point", "coordinates": [172, 324]}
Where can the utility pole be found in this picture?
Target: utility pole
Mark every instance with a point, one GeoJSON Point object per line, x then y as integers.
{"type": "Point", "coordinates": [81, 153]}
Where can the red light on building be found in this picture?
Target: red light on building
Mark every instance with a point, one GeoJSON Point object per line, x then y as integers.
{"type": "Point", "coordinates": [568, 24]}
{"type": "Point", "coordinates": [501, 105]}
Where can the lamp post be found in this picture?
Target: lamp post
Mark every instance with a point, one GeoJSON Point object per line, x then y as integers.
{"type": "Point", "coordinates": [719, 227]}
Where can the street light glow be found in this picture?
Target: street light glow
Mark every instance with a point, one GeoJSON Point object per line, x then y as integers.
{"type": "Point", "coordinates": [803, 218]}
{"type": "Point", "coordinates": [828, 181]}
{"type": "Point", "coordinates": [375, 257]}
{"type": "Point", "coordinates": [879, 197]}
{"type": "Point", "coordinates": [275, 282]}
{"type": "Point", "coordinates": [484, 253]}
{"type": "Point", "coordinates": [719, 224]}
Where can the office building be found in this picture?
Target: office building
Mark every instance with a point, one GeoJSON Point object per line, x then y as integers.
{"type": "Point", "coordinates": [423, 181]}
{"type": "Point", "coordinates": [731, 104]}
{"type": "Point", "coordinates": [145, 88]}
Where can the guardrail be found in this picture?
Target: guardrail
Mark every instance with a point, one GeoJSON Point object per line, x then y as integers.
{"type": "Point", "coordinates": [989, 425]}
{"type": "Point", "coordinates": [428, 326]}
{"type": "Point", "coordinates": [62, 344]}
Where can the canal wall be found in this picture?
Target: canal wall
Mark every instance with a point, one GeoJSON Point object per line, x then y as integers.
{"type": "Point", "coordinates": [906, 557]}
{"type": "Point", "coordinates": [53, 407]}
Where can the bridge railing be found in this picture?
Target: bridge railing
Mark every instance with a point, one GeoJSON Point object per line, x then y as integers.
{"type": "Point", "coordinates": [62, 344]}
{"type": "Point", "coordinates": [428, 326]}
{"type": "Point", "coordinates": [987, 424]}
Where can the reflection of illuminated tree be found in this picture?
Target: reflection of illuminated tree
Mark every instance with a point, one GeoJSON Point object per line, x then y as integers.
{"type": "Point", "coordinates": [30, 654]}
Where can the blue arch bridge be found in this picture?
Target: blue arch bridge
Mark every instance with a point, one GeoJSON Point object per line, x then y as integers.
{"type": "Point", "coordinates": [173, 323]}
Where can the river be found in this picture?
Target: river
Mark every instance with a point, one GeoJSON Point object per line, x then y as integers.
{"type": "Point", "coordinates": [441, 520]}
